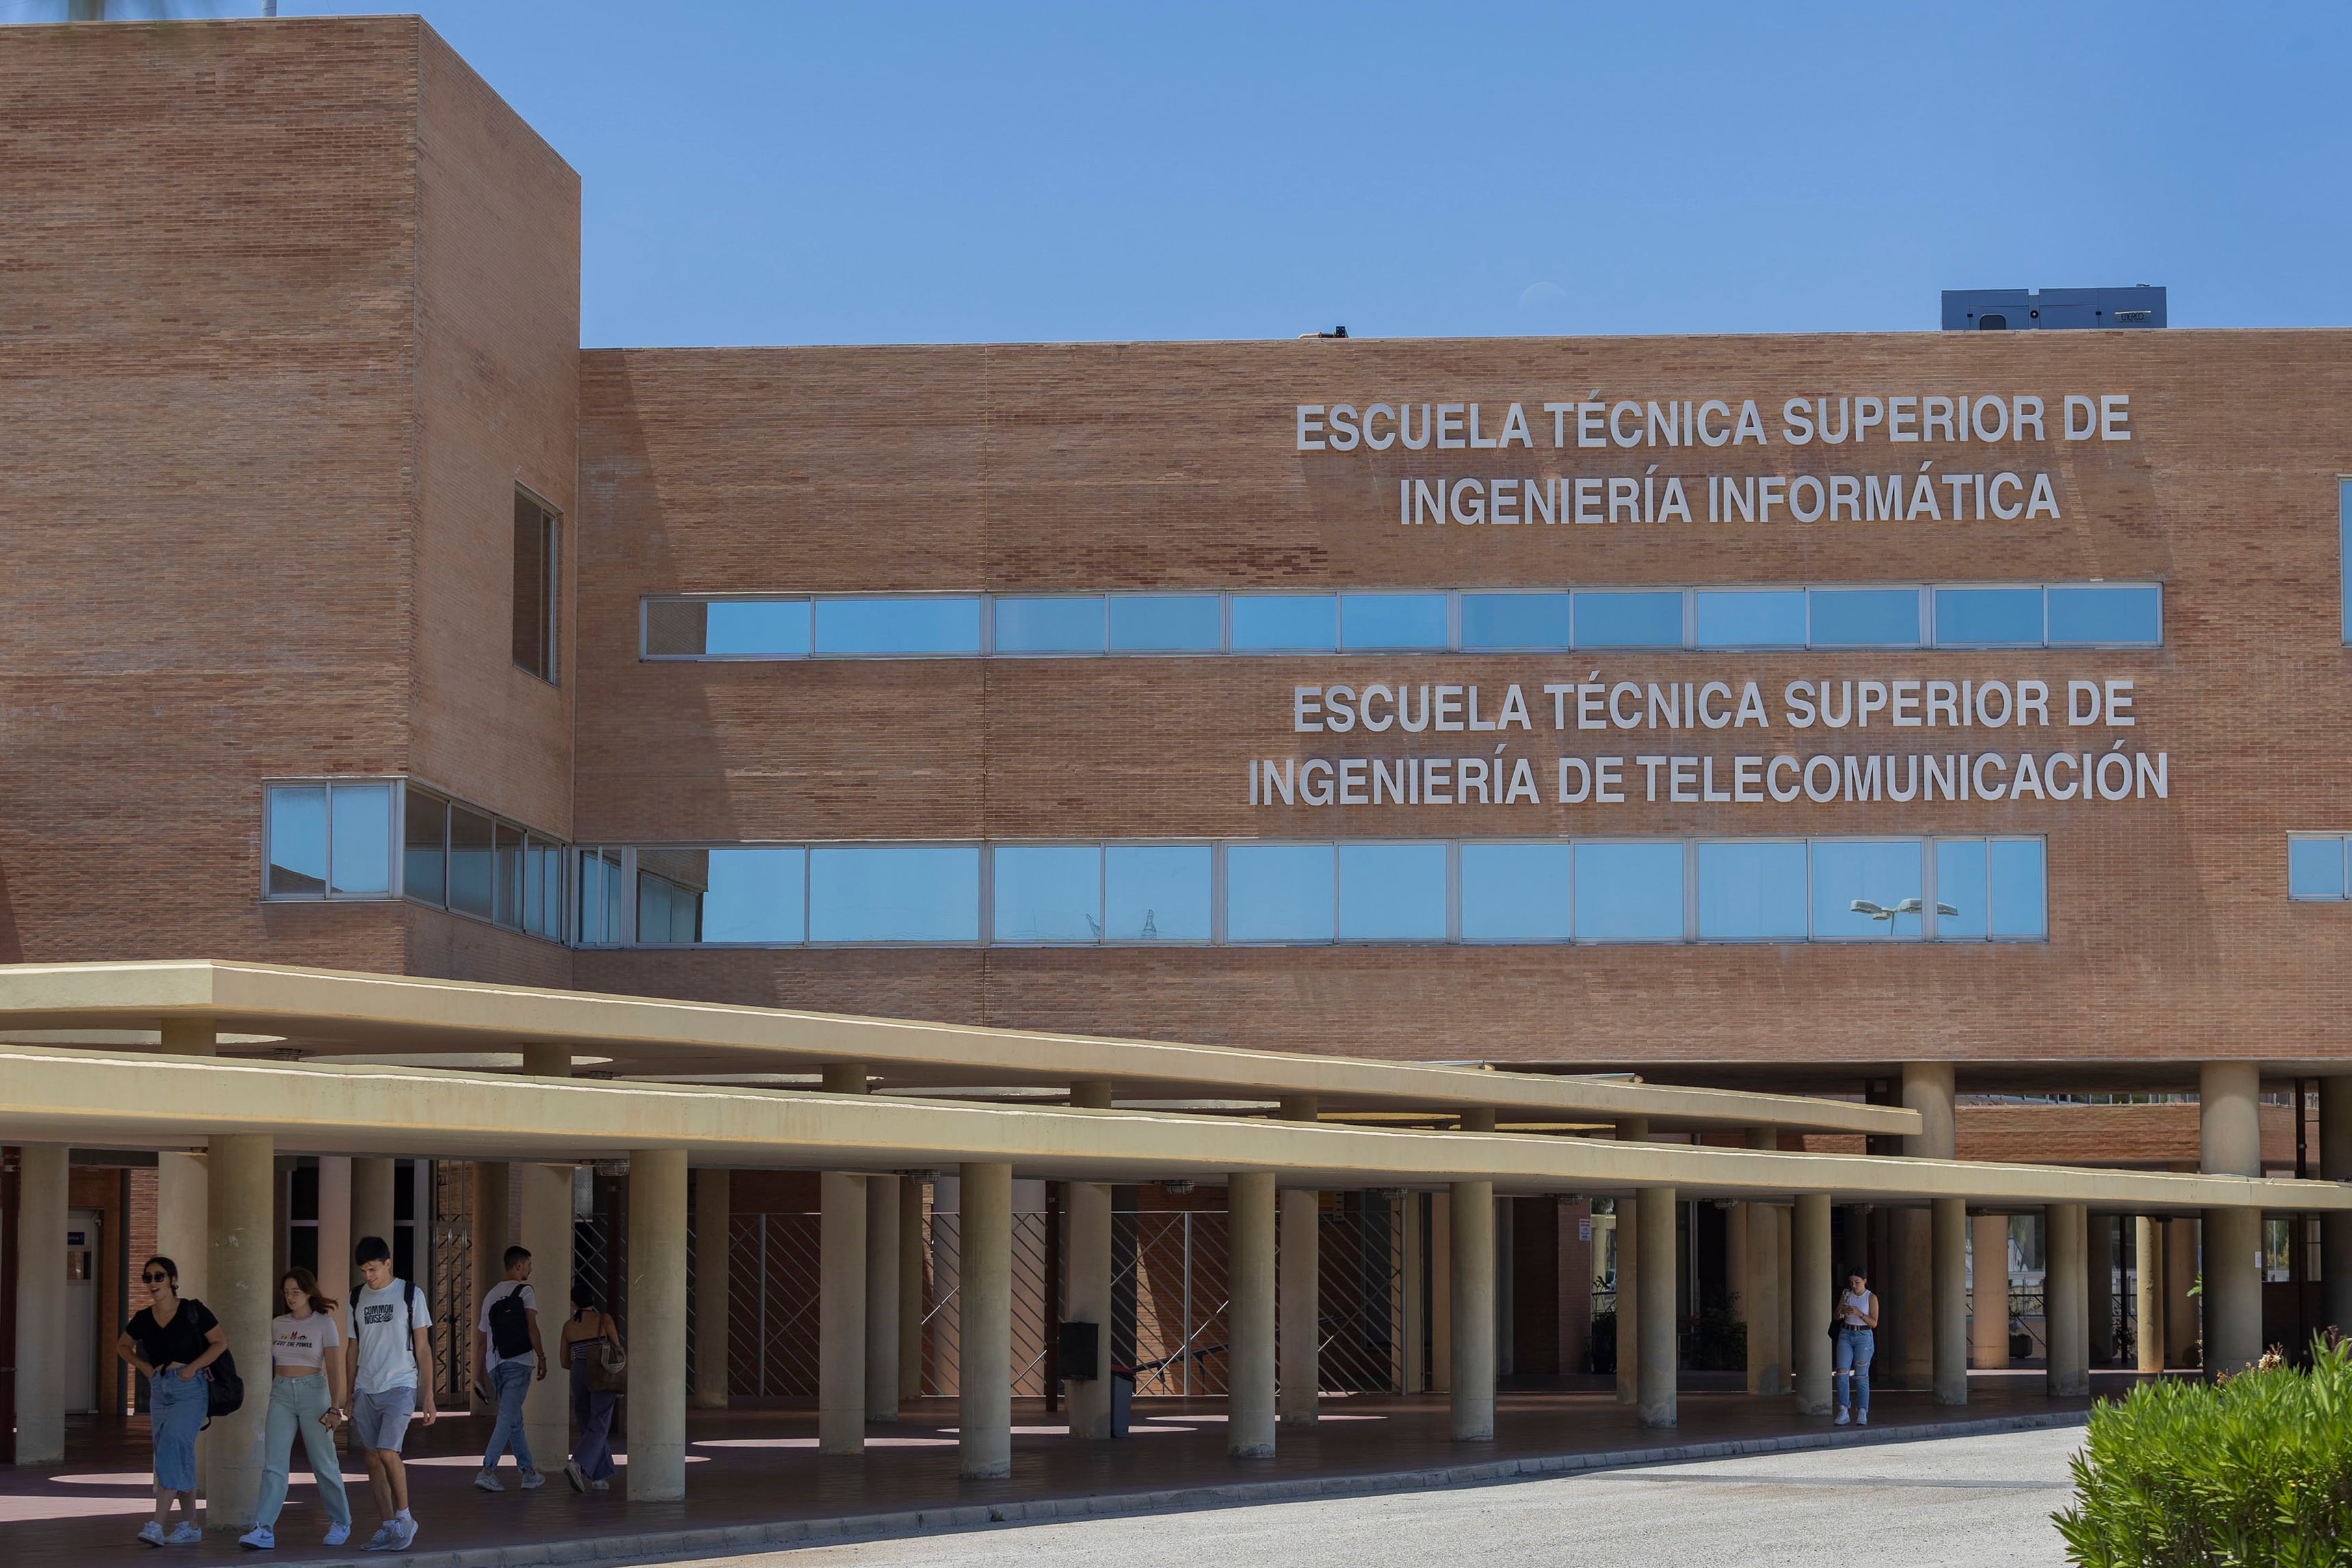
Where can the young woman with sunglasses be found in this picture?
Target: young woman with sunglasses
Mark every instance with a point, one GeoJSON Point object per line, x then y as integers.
{"type": "Point", "coordinates": [170, 1342]}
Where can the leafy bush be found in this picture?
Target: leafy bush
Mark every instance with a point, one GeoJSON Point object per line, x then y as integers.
{"type": "Point", "coordinates": [2256, 1470]}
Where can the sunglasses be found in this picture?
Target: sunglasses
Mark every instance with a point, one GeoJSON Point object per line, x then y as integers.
{"type": "Point", "coordinates": [154, 1279]}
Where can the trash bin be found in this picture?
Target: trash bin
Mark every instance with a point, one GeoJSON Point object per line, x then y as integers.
{"type": "Point", "coordinates": [1122, 1399]}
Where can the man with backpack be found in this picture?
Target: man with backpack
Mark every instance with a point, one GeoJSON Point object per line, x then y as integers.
{"type": "Point", "coordinates": [507, 1348]}
{"type": "Point", "coordinates": [389, 1359]}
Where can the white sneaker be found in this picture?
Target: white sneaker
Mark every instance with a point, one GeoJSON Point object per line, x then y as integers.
{"type": "Point", "coordinates": [336, 1535]}
{"type": "Point", "coordinates": [261, 1538]}
{"type": "Point", "coordinates": [386, 1537]}
{"type": "Point", "coordinates": [186, 1535]}
{"type": "Point", "coordinates": [407, 1533]}
{"type": "Point", "coordinates": [485, 1481]}
{"type": "Point", "coordinates": [1843, 1417]}
{"type": "Point", "coordinates": [151, 1533]}
{"type": "Point", "coordinates": [1861, 1419]}
{"type": "Point", "coordinates": [532, 1480]}
{"type": "Point", "coordinates": [600, 1486]}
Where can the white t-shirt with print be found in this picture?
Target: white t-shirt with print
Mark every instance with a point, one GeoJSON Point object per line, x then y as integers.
{"type": "Point", "coordinates": [383, 1323]}
{"type": "Point", "coordinates": [499, 1292]}
{"type": "Point", "coordinates": [302, 1342]}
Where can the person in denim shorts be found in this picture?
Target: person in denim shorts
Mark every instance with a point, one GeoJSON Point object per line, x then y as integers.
{"type": "Point", "coordinates": [390, 1357]}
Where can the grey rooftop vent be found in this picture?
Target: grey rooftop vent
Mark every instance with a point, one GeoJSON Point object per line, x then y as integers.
{"type": "Point", "coordinates": [2051, 310]}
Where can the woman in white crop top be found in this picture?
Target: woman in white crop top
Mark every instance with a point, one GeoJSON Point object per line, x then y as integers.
{"type": "Point", "coordinates": [306, 1395]}
{"type": "Point", "coordinates": [1857, 1340]}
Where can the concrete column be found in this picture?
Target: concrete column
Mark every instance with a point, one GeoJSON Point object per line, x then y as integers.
{"type": "Point", "coordinates": [491, 1233]}
{"type": "Point", "coordinates": [1471, 1214]}
{"type": "Point", "coordinates": [1659, 1266]}
{"type": "Point", "coordinates": [1810, 1291]}
{"type": "Point", "coordinates": [242, 1169]}
{"type": "Point", "coordinates": [335, 1236]}
{"type": "Point", "coordinates": [1090, 1302]}
{"type": "Point", "coordinates": [543, 1225]}
{"type": "Point", "coordinates": [1762, 1290]}
{"type": "Point", "coordinates": [544, 1060]}
{"type": "Point", "coordinates": [1250, 1316]}
{"type": "Point", "coordinates": [1301, 1304]}
{"type": "Point", "coordinates": [984, 1321]}
{"type": "Point", "coordinates": [714, 1220]}
{"type": "Point", "coordinates": [2229, 1118]}
{"type": "Point", "coordinates": [183, 1230]}
{"type": "Point", "coordinates": [41, 1305]}
{"type": "Point", "coordinates": [656, 1325]}
{"type": "Point", "coordinates": [2147, 1292]}
{"type": "Point", "coordinates": [188, 1037]}
{"type": "Point", "coordinates": [2234, 1289]}
{"type": "Point", "coordinates": [1949, 1221]}
{"type": "Point", "coordinates": [1630, 1130]}
{"type": "Point", "coordinates": [1412, 1370]}
{"type": "Point", "coordinates": [1929, 1089]}
{"type": "Point", "coordinates": [2065, 1300]}
{"type": "Point", "coordinates": [372, 1206]}
{"type": "Point", "coordinates": [882, 1298]}
{"type": "Point", "coordinates": [1784, 1220]}
{"type": "Point", "coordinates": [1441, 1293]}
{"type": "Point", "coordinates": [1735, 1270]}
{"type": "Point", "coordinates": [841, 1314]}
{"type": "Point", "coordinates": [1988, 1291]}
{"type": "Point", "coordinates": [2100, 1293]}
{"type": "Point", "coordinates": [2184, 1325]}
{"type": "Point", "coordinates": [2336, 1229]}
{"type": "Point", "coordinates": [910, 1288]}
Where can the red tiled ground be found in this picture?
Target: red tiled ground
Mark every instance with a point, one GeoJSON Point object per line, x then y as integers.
{"type": "Point", "coordinates": [758, 1463]}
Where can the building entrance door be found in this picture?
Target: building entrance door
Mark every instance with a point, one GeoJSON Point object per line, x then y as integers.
{"type": "Point", "coordinates": [81, 1310]}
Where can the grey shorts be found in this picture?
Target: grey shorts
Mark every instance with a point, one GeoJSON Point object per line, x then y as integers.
{"type": "Point", "coordinates": [380, 1421]}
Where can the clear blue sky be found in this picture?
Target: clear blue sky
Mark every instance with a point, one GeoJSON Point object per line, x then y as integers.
{"type": "Point", "coordinates": [774, 174]}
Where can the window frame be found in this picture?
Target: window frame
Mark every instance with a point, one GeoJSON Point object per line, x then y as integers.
{"type": "Point", "coordinates": [550, 640]}
{"type": "Point", "coordinates": [452, 803]}
{"type": "Point", "coordinates": [396, 818]}
{"type": "Point", "coordinates": [2343, 843]}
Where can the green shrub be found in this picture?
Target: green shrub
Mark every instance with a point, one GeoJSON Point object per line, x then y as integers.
{"type": "Point", "coordinates": [2255, 1471]}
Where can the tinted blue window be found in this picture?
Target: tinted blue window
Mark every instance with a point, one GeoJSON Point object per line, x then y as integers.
{"type": "Point", "coordinates": [1988, 617]}
{"type": "Point", "coordinates": [1751, 618]}
{"type": "Point", "coordinates": [1515, 621]}
{"type": "Point", "coordinates": [1279, 892]}
{"type": "Point", "coordinates": [763, 628]}
{"type": "Point", "coordinates": [1861, 889]}
{"type": "Point", "coordinates": [1865, 617]}
{"type": "Point", "coordinates": [2018, 907]}
{"type": "Point", "coordinates": [1516, 892]}
{"type": "Point", "coordinates": [1049, 894]}
{"type": "Point", "coordinates": [1157, 892]}
{"type": "Point", "coordinates": [1629, 893]}
{"type": "Point", "coordinates": [898, 626]}
{"type": "Point", "coordinates": [915, 892]}
{"type": "Point", "coordinates": [1392, 620]}
{"type": "Point", "coordinates": [1391, 893]}
{"type": "Point", "coordinates": [1163, 623]}
{"type": "Point", "coordinates": [756, 896]}
{"type": "Point", "coordinates": [1284, 622]}
{"type": "Point", "coordinates": [2130, 615]}
{"type": "Point", "coordinates": [1629, 620]}
{"type": "Point", "coordinates": [298, 840]}
{"type": "Point", "coordinates": [1049, 625]}
{"type": "Point", "coordinates": [362, 838]}
{"type": "Point", "coordinates": [1751, 891]}
{"type": "Point", "coordinates": [2315, 868]}
{"type": "Point", "coordinates": [1960, 914]}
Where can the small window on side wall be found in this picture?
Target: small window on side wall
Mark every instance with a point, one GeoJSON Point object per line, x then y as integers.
{"type": "Point", "coordinates": [537, 537]}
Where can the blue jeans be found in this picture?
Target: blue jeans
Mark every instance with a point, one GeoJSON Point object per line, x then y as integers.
{"type": "Point", "coordinates": [175, 1414]}
{"type": "Point", "coordinates": [295, 1406]}
{"type": "Point", "coordinates": [1855, 1348]}
{"type": "Point", "coordinates": [510, 1380]}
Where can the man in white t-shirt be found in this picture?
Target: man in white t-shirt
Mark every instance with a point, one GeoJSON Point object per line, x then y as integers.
{"type": "Point", "coordinates": [507, 1348]}
{"type": "Point", "coordinates": [390, 1357]}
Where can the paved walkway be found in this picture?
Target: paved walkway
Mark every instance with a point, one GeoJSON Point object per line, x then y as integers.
{"type": "Point", "coordinates": [1952, 1502]}
{"type": "Point", "coordinates": [755, 1471]}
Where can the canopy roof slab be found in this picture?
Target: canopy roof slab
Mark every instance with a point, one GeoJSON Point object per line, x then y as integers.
{"type": "Point", "coordinates": [267, 1010]}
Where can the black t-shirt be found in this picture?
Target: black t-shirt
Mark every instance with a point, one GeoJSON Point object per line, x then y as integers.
{"type": "Point", "coordinates": [182, 1339]}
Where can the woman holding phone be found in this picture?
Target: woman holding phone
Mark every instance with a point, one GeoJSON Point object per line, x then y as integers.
{"type": "Point", "coordinates": [307, 1397]}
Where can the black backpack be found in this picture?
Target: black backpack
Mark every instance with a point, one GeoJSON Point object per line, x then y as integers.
{"type": "Point", "coordinates": [226, 1392]}
{"type": "Point", "coordinates": [510, 1326]}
